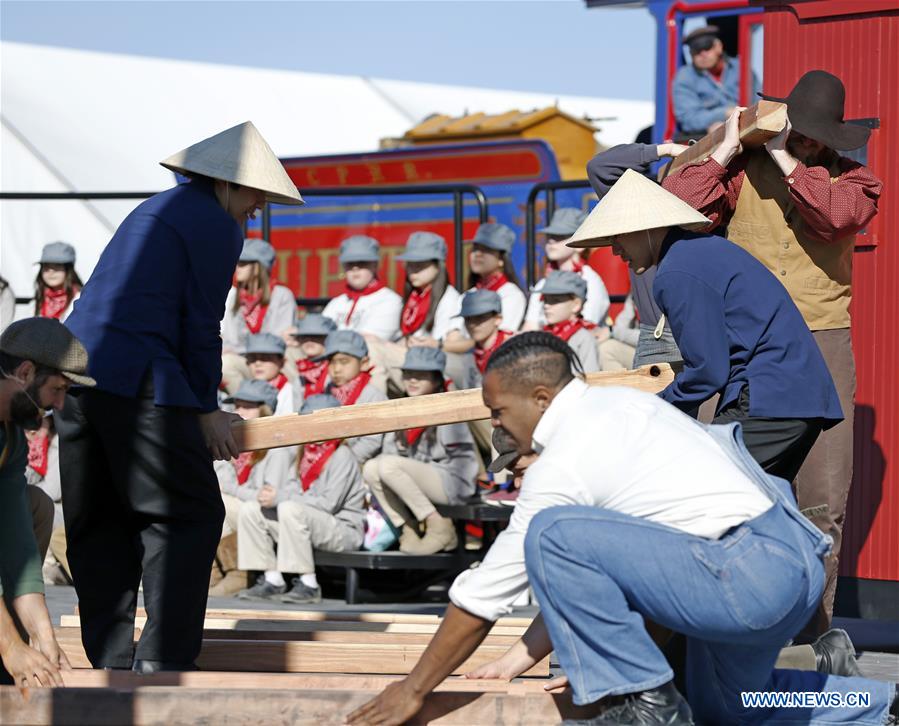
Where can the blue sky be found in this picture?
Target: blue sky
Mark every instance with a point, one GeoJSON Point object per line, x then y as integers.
{"type": "Point", "coordinates": [552, 46]}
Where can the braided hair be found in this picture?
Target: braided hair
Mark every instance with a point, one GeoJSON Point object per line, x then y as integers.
{"type": "Point", "coordinates": [536, 358]}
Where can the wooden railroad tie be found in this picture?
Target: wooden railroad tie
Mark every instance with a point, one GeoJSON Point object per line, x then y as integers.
{"type": "Point", "coordinates": [404, 413]}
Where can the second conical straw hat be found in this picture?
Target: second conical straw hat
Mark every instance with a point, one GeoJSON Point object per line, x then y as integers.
{"type": "Point", "coordinates": [238, 155]}
{"type": "Point", "coordinates": [634, 203]}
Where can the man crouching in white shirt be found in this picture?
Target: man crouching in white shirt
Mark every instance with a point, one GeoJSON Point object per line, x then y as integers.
{"type": "Point", "coordinates": [662, 518]}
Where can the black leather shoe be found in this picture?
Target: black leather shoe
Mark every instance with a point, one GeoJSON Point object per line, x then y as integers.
{"type": "Point", "coordinates": [835, 654]}
{"type": "Point", "coordinates": [662, 706]}
{"type": "Point", "coordinates": [146, 667]}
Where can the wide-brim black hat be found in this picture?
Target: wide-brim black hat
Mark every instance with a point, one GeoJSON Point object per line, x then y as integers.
{"type": "Point", "coordinates": [815, 107]}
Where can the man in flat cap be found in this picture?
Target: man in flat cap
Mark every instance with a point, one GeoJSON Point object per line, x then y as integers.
{"type": "Point", "coordinates": [704, 91]}
{"type": "Point", "coordinates": [39, 359]}
{"type": "Point", "coordinates": [136, 452]}
{"type": "Point", "coordinates": [796, 205]}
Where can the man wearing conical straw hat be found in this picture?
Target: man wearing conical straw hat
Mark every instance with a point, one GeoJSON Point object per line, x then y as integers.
{"type": "Point", "coordinates": [740, 334]}
{"type": "Point", "coordinates": [142, 501]}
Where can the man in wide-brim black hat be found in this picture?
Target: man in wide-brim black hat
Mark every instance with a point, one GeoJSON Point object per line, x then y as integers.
{"type": "Point", "coordinates": [796, 205]}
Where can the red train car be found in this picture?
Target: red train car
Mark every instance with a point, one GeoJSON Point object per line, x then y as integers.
{"type": "Point", "coordinates": [857, 40]}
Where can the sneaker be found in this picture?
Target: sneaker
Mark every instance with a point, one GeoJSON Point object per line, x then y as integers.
{"type": "Point", "coordinates": [501, 498]}
{"type": "Point", "coordinates": [301, 593]}
{"type": "Point", "coordinates": [262, 590]}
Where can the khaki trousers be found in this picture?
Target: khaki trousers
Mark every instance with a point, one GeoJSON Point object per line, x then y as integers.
{"type": "Point", "coordinates": [615, 355]}
{"type": "Point", "coordinates": [296, 529]}
{"type": "Point", "coordinates": [822, 485]}
{"type": "Point", "coordinates": [406, 489]}
{"type": "Point", "coordinates": [59, 547]}
{"type": "Point", "coordinates": [232, 512]}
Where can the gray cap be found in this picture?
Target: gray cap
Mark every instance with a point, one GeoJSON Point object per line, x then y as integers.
{"type": "Point", "coordinates": [419, 358]}
{"type": "Point", "coordinates": [315, 324]}
{"type": "Point", "coordinates": [495, 236]}
{"type": "Point", "coordinates": [506, 450]}
{"type": "Point", "coordinates": [266, 343]}
{"type": "Point", "coordinates": [256, 392]}
{"type": "Point", "coordinates": [564, 282]}
{"type": "Point", "coordinates": [319, 402]}
{"type": "Point", "coordinates": [423, 246]}
{"type": "Point", "coordinates": [360, 248]}
{"type": "Point", "coordinates": [564, 222]}
{"type": "Point", "coordinates": [49, 343]}
{"type": "Point", "coordinates": [478, 302]}
{"type": "Point", "coordinates": [58, 253]}
{"type": "Point", "coordinates": [344, 341]}
{"type": "Point", "coordinates": [258, 250]}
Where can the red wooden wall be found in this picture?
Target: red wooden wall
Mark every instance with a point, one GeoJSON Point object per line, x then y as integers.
{"type": "Point", "coordinates": [858, 40]}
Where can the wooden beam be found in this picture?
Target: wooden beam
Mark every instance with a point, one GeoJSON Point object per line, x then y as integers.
{"type": "Point", "coordinates": [404, 413]}
{"type": "Point", "coordinates": [314, 657]}
{"type": "Point", "coordinates": [758, 124]}
{"type": "Point", "coordinates": [307, 626]}
{"type": "Point", "coordinates": [174, 706]}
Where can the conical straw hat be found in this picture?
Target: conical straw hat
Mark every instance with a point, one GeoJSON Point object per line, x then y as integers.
{"type": "Point", "coordinates": [238, 155]}
{"type": "Point", "coordinates": [635, 203]}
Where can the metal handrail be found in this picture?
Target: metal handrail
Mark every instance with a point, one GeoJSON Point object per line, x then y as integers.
{"type": "Point", "coordinates": [457, 190]}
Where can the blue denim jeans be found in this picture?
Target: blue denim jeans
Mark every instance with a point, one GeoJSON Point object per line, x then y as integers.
{"type": "Point", "coordinates": [738, 599]}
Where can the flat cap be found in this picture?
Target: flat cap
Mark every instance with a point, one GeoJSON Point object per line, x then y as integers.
{"type": "Point", "coordinates": [49, 343]}
{"type": "Point", "coordinates": [564, 282]}
{"type": "Point", "coordinates": [494, 236]}
{"type": "Point", "coordinates": [423, 246]}
{"type": "Point", "coordinates": [57, 253]}
{"type": "Point", "coordinates": [348, 342]}
{"type": "Point", "coordinates": [315, 324]}
{"type": "Point", "coordinates": [255, 391]}
{"type": "Point", "coordinates": [319, 402]}
{"type": "Point", "coordinates": [360, 248]}
{"type": "Point", "coordinates": [266, 343]}
{"type": "Point", "coordinates": [478, 302]}
{"type": "Point", "coordinates": [564, 222]}
{"type": "Point", "coordinates": [419, 358]}
{"type": "Point", "coordinates": [258, 250]}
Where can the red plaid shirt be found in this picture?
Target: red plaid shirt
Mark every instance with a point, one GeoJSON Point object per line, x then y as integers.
{"type": "Point", "coordinates": [831, 209]}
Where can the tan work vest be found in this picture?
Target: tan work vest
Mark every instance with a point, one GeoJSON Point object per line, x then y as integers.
{"type": "Point", "coordinates": [818, 275]}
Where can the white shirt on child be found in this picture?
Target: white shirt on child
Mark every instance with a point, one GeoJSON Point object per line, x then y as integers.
{"type": "Point", "coordinates": [622, 450]}
{"type": "Point", "coordinates": [446, 316]}
{"type": "Point", "coordinates": [377, 314]}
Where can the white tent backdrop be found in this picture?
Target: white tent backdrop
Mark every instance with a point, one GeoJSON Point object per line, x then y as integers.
{"type": "Point", "coordinates": [83, 121]}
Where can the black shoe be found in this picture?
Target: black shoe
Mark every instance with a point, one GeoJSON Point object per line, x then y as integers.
{"type": "Point", "coordinates": [146, 667]}
{"type": "Point", "coordinates": [662, 706]}
{"type": "Point", "coordinates": [302, 593]}
{"type": "Point", "coordinates": [835, 654]}
{"type": "Point", "coordinates": [262, 590]}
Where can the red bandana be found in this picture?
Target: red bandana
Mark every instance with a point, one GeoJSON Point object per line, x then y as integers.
{"type": "Point", "coordinates": [494, 281]}
{"type": "Point", "coordinates": [313, 375]}
{"type": "Point", "coordinates": [315, 456]}
{"type": "Point", "coordinates": [354, 295]}
{"type": "Point", "coordinates": [413, 435]}
{"type": "Point", "coordinates": [415, 310]}
{"type": "Point", "coordinates": [279, 382]}
{"type": "Point", "coordinates": [243, 465]}
{"type": "Point", "coordinates": [252, 309]}
{"type": "Point", "coordinates": [567, 328]}
{"type": "Point", "coordinates": [482, 355]}
{"type": "Point", "coordinates": [349, 393]}
{"type": "Point", "coordinates": [54, 303]}
{"type": "Point", "coordinates": [38, 450]}
{"type": "Point", "coordinates": [577, 265]}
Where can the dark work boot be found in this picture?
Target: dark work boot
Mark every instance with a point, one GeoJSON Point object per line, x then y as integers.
{"type": "Point", "coordinates": [662, 706]}
{"type": "Point", "coordinates": [146, 667]}
{"type": "Point", "coordinates": [835, 654]}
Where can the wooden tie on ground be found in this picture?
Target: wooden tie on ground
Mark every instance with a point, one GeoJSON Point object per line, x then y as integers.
{"type": "Point", "coordinates": [302, 667]}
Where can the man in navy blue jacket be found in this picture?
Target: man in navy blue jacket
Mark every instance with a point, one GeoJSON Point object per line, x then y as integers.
{"type": "Point", "coordinates": [740, 334]}
{"type": "Point", "coordinates": [142, 501]}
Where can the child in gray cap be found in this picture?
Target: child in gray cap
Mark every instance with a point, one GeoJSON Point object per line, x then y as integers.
{"type": "Point", "coordinates": [423, 466]}
{"type": "Point", "coordinates": [563, 294]}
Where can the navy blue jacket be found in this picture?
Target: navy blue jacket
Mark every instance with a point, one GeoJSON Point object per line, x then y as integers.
{"type": "Point", "coordinates": [736, 326]}
{"type": "Point", "coordinates": [156, 299]}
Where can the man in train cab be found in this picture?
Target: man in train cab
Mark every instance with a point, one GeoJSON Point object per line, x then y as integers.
{"type": "Point", "coordinates": [797, 205]}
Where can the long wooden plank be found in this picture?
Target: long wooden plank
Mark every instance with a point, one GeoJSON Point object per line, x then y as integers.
{"type": "Point", "coordinates": [319, 636]}
{"type": "Point", "coordinates": [314, 657]}
{"type": "Point", "coordinates": [174, 706]}
{"type": "Point", "coordinates": [249, 625]}
{"type": "Point", "coordinates": [758, 124]}
{"type": "Point", "coordinates": [405, 413]}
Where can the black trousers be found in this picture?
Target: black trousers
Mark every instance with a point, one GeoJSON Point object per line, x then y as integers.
{"type": "Point", "coordinates": [779, 445]}
{"type": "Point", "coordinates": [141, 501]}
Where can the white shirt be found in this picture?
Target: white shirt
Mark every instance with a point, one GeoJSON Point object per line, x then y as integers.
{"type": "Point", "coordinates": [279, 315]}
{"type": "Point", "coordinates": [596, 306]}
{"type": "Point", "coordinates": [376, 314]}
{"type": "Point", "coordinates": [290, 398]}
{"type": "Point", "coordinates": [618, 449]}
{"type": "Point", "coordinates": [446, 316]}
